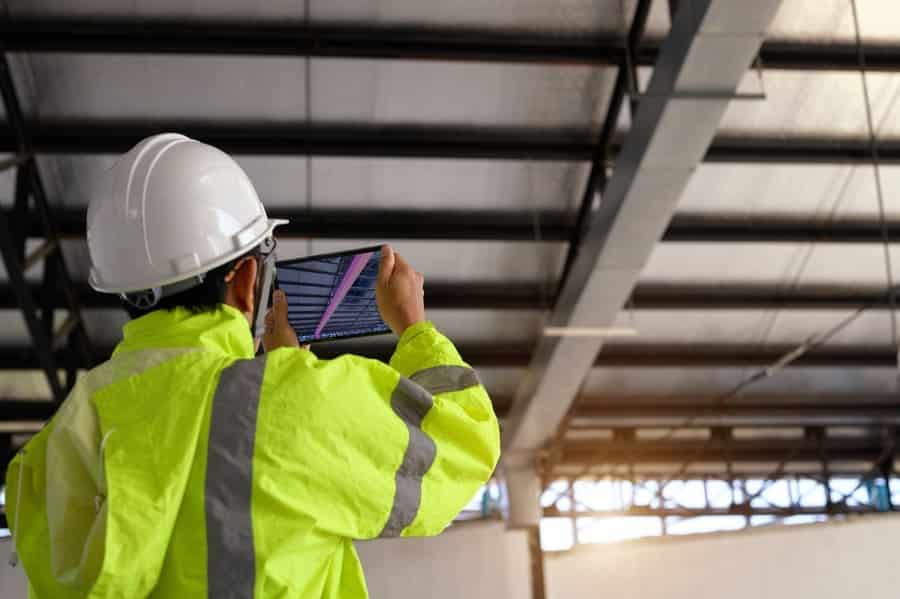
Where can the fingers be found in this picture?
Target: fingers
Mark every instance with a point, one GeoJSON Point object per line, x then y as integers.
{"type": "Point", "coordinates": [386, 268]}
{"type": "Point", "coordinates": [280, 304]}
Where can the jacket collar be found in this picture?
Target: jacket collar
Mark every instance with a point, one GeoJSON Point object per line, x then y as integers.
{"type": "Point", "coordinates": [223, 330]}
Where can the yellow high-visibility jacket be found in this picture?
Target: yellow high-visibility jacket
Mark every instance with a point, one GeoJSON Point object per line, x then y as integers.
{"type": "Point", "coordinates": [186, 468]}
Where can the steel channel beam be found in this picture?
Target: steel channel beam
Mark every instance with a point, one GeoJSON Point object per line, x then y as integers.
{"type": "Point", "coordinates": [530, 296]}
{"type": "Point", "coordinates": [553, 512]}
{"type": "Point", "coordinates": [487, 225]}
{"type": "Point", "coordinates": [626, 76]}
{"type": "Point", "coordinates": [546, 225]}
{"type": "Point", "coordinates": [129, 36]}
{"type": "Point", "coordinates": [432, 141]}
{"type": "Point", "coordinates": [641, 198]}
{"type": "Point", "coordinates": [649, 355]}
{"type": "Point", "coordinates": [595, 413]}
{"type": "Point", "coordinates": [425, 141]}
{"type": "Point", "coordinates": [441, 295]}
{"type": "Point", "coordinates": [121, 36]}
{"type": "Point", "coordinates": [679, 452]}
{"type": "Point", "coordinates": [720, 229]}
{"type": "Point", "coordinates": [614, 356]}
{"type": "Point", "coordinates": [13, 410]}
{"type": "Point", "coordinates": [665, 297]}
{"type": "Point", "coordinates": [484, 355]}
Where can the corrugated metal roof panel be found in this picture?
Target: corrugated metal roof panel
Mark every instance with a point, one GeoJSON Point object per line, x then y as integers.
{"type": "Point", "coordinates": [267, 10]}
{"type": "Point", "coordinates": [814, 104]}
{"type": "Point", "coordinates": [473, 261]}
{"type": "Point", "coordinates": [816, 191]}
{"type": "Point", "coordinates": [832, 20]}
{"type": "Point", "coordinates": [816, 385]}
{"type": "Point", "coordinates": [339, 183]}
{"type": "Point", "coordinates": [754, 328]}
{"type": "Point", "coordinates": [445, 184]}
{"type": "Point", "coordinates": [562, 16]}
{"type": "Point", "coordinates": [204, 88]}
{"type": "Point", "coordinates": [389, 91]}
{"type": "Point", "coordinates": [779, 264]}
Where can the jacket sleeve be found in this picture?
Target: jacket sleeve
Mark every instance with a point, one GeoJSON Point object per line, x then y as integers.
{"type": "Point", "coordinates": [364, 449]}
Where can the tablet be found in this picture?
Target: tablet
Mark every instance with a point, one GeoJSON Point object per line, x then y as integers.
{"type": "Point", "coordinates": [332, 296]}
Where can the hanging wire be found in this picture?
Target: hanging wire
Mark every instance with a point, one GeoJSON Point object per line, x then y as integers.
{"type": "Point", "coordinates": [876, 167]}
{"type": "Point", "coordinates": [307, 91]}
{"type": "Point", "coordinates": [885, 237]}
{"type": "Point", "coordinates": [763, 373]}
{"type": "Point", "coordinates": [815, 340]}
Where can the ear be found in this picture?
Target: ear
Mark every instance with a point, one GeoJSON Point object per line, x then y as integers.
{"type": "Point", "coordinates": [241, 291]}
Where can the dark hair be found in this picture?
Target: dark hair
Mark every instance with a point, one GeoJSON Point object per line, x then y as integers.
{"type": "Point", "coordinates": [205, 297]}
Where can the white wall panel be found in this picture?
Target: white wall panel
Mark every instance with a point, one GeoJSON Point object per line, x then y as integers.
{"type": "Point", "coordinates": [826, 561]}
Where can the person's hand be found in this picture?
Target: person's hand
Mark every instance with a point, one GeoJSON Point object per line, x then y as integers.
{"type": "Point", "coordinates": [400, 294]}
{"type": "Point", "coordinates": [279, 332]}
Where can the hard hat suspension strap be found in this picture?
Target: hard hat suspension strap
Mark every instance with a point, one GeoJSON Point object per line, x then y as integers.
{"type": "Point", "coordinates": [148, 298]}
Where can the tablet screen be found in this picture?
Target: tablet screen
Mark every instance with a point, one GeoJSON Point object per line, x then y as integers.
{"type": "Point", "coordinates": [332, 296]}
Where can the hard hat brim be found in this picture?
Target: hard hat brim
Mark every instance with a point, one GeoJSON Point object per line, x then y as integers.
{"type": "Point", "coordinates": [272, 223]}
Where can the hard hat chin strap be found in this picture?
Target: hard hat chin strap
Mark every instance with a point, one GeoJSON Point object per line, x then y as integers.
{"type": "Point", "coordinates": [148, 298]}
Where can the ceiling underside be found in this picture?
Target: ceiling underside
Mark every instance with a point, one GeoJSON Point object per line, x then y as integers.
{"type": "Point", "coordinates": [477, 162]}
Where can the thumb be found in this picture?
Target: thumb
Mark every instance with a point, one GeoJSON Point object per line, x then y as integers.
{"type": "Point", "coordinates": [386, 267]}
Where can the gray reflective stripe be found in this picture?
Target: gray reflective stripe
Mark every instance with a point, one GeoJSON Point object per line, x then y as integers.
{"type": "Point", "coordinates": [441, 379]}
{"type": "Point", "coordinates": [231, 562]}
{"type": "Point", "coordinates": [411, 403]}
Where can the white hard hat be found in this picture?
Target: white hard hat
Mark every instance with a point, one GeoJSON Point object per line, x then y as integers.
{"type": "Point", "coordinates": [170, 210]}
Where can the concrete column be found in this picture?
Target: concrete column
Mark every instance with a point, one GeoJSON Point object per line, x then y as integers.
{"type": "Point", "coordinates": [524, 487]}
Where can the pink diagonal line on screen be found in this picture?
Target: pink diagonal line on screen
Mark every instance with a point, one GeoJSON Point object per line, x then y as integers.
{"type": "Point", "coordinates": [350, 275]}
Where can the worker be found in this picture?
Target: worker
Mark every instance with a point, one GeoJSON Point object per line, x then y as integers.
{"type": "Point", "coordinates": [186, 466]}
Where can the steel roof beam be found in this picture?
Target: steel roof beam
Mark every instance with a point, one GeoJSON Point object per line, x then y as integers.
{"type": "Point", "coordinates": [299, 139]}
{"type": "Point", "coordinates": [694, 296]}
{"type": "Point", "coordinates": [23, 410]}
{"type": "Point", "coordinates": [694, 228]}
{"type": "Point", "coordinates": [737, 510]}
{"type": "Point", "coordinates": [638, 413]}
{"type": "Point", "coordinates": [537, 296]}
{"type": "Point", "coordinates": [78, 136]}
{"type": "Point", "coordinates": [15, 357]}
{"type": "Point", "coordinates": [546, 226]}
{"type": "Point", "coordinates": [723, 355]}
{"type": "Point", "coordinates": [441, 295]}
{"type": "Point", "coordinates": [705, 450]}
{"type": "Point", "coordinates": [615, 355]}
{"type": "Point", "coordinates": [130, 36]}
{"type": "Point", "coordinates": [486, 225]}
{"type": "Point", "coordinates": [700, 64]}
{"type": "Point", "coordinates": [121, 36]}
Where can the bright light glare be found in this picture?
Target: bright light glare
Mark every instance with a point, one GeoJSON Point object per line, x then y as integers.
{"type": "Point", "coordinates": [609, 530]}
{"type": "Point", "coordinates": [691, 526]}
{"type": "Point", "coordinates": [554, 491]}
{"type": "Point", "coordinates": [804, 519]}
{"type": "Point", "coordinates": [556, 534]}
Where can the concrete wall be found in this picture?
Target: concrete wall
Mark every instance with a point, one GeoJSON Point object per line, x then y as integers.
{"type": "Point", "coordinates": [855, 559]}
{"type": "Point", "coordinates": [471, 560]}
{"type": "Point", "coordinates": [476, 560]}
{"type": "Point", "coordinates": [13, 584]}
